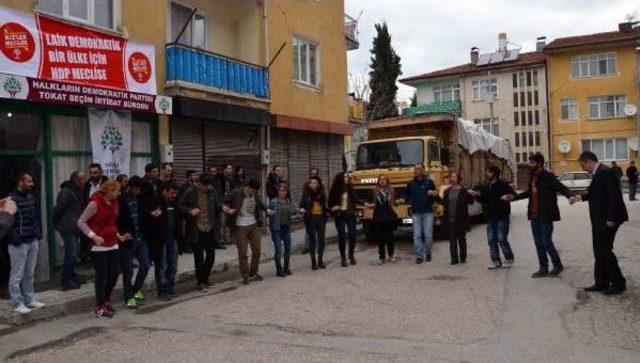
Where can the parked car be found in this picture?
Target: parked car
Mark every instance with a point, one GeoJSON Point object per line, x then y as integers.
{"type": "Point", "coordinates": [576, 180]}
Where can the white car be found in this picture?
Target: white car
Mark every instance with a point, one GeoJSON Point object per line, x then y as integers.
{"type": "Point", "coordinates": [576, 180]}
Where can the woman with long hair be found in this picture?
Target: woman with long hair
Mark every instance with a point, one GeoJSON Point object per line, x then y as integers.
{"type": "Point", "coordinates": [456, 202]}
{"type": "Point", "coordinates": [98, 223]}
{"type": "Point", "coordinates": [385, 219]}
{"type": "Point", "coordinates": [342, 202]}
{"type": "Point", "coordinates": [314, 208]}
{"type": "Point", "coordinates": [280, 225]}
{"type": "Point", "coordinates": [239, 177]}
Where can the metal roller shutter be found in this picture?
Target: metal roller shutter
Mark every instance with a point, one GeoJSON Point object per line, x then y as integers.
{"type": "Point", "coordinates": [298, 168]}
{"type": "Point", "coordinates": [186, 137]}
{"type": "Point", "coordinates": [236, 144]}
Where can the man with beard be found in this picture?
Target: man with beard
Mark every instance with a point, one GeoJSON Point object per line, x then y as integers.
{"type": "Point", "coordinates": [95, 180]}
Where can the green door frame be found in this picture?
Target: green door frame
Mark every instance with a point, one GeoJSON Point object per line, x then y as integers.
{"type": "Point", "coordinates": [47, 154]}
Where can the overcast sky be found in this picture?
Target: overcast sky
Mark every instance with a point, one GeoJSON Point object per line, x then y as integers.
{"type": "Point", "coordinates": [434, 34]}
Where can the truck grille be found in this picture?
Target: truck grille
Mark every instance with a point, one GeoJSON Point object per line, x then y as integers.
{"type": "Point", "coordinates": [364, 195]}
{"type": "Point", "coordinates": [401, 192]}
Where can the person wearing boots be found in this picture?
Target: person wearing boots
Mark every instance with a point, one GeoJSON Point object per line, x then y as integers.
{"type": "Point", "coordinates": [342, 201]}
{"type": "Point", "coordinates": [385, 219]}
{"type": "Point", "coordinates": [281, 211]}
{"type": "Point", "coordinates": [314, 208]}
{"type": "Point", "coordinates": [456, 201]}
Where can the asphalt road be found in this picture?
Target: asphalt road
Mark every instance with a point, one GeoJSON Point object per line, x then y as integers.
{"type": "Point", "coordinates": [433, 312]}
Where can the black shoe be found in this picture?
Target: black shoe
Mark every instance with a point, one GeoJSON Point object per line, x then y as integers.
{"type": "Point", "coordinates": [257, 277]}
{"type": "Point", "coordinates": [595, 288]}
{"type": "Point", "coordinates": [556, 270]}
{"type": "Point", "coordinates": [454, 262]}
{"type": "Point", "coordinates": [80, 279]}
{"type": "Point", "coordinates": [165, 297]}
{"type": "Point", "coordinates": [463, 260]}
{"type": "Point", "coordinates": [208, 284]}
{"type": "Point", "coordinates": [321, 265]}
{"type": "Point", "coordinates": [70, 285]}
{"type": "Point", "coordinates": [200, 287]}
{"type": "Point", "coordinates": [281, 274]}
{"type": "Point", "coordinates": [314, 266]}
{"type": "Point", "coordinates": [352, 261]}
{"type": "Point", "coordinates": [287, 271]}
{"type": "Point", "coordinates": [304, 251]}
{"type": "Point", "coordinates": [245, 281]}
{"type": "Point", "coordinates": [428, 257]}
{"type": "Point", "coordinates": [540, 273]}
{"type": "Point", "coordinates": [418, 261]}
{"type": "Point", "coordinates": [343, 263]}
{"type": "Point", "coordinates": [221, 247]}
{"type": "Point", "coordinates": [614, 290]}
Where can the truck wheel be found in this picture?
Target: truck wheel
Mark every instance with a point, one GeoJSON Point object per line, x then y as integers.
{"type": "Point", "coordinates": [367, 228]}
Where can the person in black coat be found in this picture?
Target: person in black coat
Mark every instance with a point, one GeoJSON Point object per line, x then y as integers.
{"type": "Point", "coordinates": [456, 201]}
{"type": "Point", "coordinates": [385, 219]}
{"type": "Point", "coordinates": [342, 203]}
{"type": "Point", "coordinates": [542, 212]}
{"type": "Point", "coordinates": [632, 175]}
{"type": "Point", "coordinates": [608, 213]}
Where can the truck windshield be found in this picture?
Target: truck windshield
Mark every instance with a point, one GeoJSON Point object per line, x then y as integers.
{"type": "Point", "coordinates": [390, 154]}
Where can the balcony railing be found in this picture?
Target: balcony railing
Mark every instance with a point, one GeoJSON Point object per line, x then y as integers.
{"type": "Point", "coordinates": [200, 67]}
{"type": "Point", "coordinates": [445, 107]}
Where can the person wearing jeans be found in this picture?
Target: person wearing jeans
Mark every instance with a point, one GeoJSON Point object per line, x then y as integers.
{"type": "Point", "coordinates": [68, 208]}
{"type": "Point", "coordinates": [342, 202]}
{"type": "Point", "coordinates": [23, 247]}
{"type": "Point", "coordinates": [421, 192]}
{"type": "Point", "coordinates": [497, 209]}
{"type": "Point", "coordinates": [313, 206]}
{"type": "Point", "coordinates": [280, 225]}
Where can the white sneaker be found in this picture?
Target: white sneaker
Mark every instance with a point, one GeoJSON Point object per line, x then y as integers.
{"type": "Point", "coordinates": [507, 263]}
{"type": "Point", "coordinates": [35, 305]}
{"type": "Point", "coordinates": [392, 259]}
{"type": "Point", "coordinates": [380, 262]}
{"type": "Point", "coordinates": [493, 266]}
{"type": "Point", "coordinates": [21, 309]}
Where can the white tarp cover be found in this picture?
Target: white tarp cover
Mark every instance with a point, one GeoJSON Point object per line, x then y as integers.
{"type": "Point", "coordinates": [474, 137]}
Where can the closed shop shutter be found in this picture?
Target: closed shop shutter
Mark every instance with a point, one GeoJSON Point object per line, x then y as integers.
{"type": "Point", "coordinates": [186, 137]}
{"type": "Point", "coordinates": [279, 147]}
{"type": "Point", "coordinates": [236, 144]}
{"type": "Point", "coordinates": [335, 150]}
{"type": "Point", "coordinates": [298, 167]}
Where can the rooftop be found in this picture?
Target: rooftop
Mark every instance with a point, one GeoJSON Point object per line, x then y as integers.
{"type": "Point", "coordinates": [525, 59]}
{"type": "Point", "coordinates": [595, 39]}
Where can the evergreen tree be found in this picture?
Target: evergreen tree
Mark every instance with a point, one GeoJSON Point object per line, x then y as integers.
{"type": "Point", "coordinates": [414, 99]}
{"type": "Point", "coordinates": [385, 69]}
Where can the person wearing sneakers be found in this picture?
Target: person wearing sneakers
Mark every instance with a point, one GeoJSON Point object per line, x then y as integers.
{"type": "Point", "coordinates": [24, 241]}
{"type": "Point", "coordinates": [245, 220]}
{"type": "Point", "coordinates": [280, 225]}
{"type": "Point", "coordinates": [497, 210]}
{"type": "Point", "coordinates": [543, 211]}
{"type": "Point", "coordinates": [98, 222]}
{"type": "Point", "coordinates": [130, 225]}
{"type": "Point", "coordinates": [421, 192]}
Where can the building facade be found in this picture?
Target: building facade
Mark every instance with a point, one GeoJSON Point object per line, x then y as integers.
{"type": "Point", "coordinates": [592, 78]}
{"type": "Point", "coordinates": [504, 91]}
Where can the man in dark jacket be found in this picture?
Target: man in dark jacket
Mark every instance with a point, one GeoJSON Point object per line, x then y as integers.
{"type": "Point", "coordinates": [421, 192]}
{"type": "Point", "coordinates": [150, 183]}
{"type": "Point", "coordinates": [95, 180]}
{"type": "Point", "coordinates": [23, 247]}
{"type": "Point", "coordinates": [275, 178]}
{"type": "Point", "coordinates": [632, 175]}
{"type": "Point", "coordinates": [617, 170]}
{"type": "Point", "coordinates": [607, 212]}
{"type": "Point", "coordinates": [202, 220]}
{"type": "Point", "coordinates": [162, 216]}
{"type": "Point", "coordinates": [497, 211]}
{"type": "Point", "coordinates": [69, 207]}
{"type": "Point", "coordinates": [245, 220]}
{"type": "Point", "coordinates": [131, 225]}
{"type": "Point", "coordinates": [542, 212]}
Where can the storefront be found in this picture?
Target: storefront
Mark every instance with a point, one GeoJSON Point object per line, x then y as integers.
{"type": "Point", "coordinates": [70, 96]}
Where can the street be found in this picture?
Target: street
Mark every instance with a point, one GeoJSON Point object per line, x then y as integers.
{"type": "Point", "coordinates": [432, 312]}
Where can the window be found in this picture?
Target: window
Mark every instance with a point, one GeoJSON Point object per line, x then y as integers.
{"type": "Point", "coordinates": [594, 65]}
{"type": "Point", "coordinates": [606, 106]}
{"type": "Point", "coordinates": [530, 138]}
{"type": "Point", "coordinates": [530, 114]}
{"type": "Point", "coordinates": [523, 118]}
{"type": "Point", "coordinates": [607, 149]}
{"type": "Point", "coordinates": [569, 109]}
{"type": "Point", "coordinates": [487, 125]}
{"type": "Point", "coordinates": [306, 60]}
{"type": "Point", "coordinates": [446, 93]}
{"type": "Point", "coordinates": [517, 139]}
{"type": "Point", "coordinates": [517, 157]}
{"type": "Point", "coordinates": [485, 88]}
{"type": "Point", "coordinates": [537, 138]}
{"type": "Point", "coordinates": [515, 119]}
{"type": "Point", "coordinates": [529, 100]}
{"type": "Point", "coordinates": [522, 99]}
{"type": "Point", "coordinates": [535, 98]}
{"type": "Point", "coordinates": [515, 80]}
{"type": "Point", "coordinates": [535, 78]}
{"type": "Point", "coordinates": [194, 34]}
{"type": "Point", "coordinates": [515, 99]}
{"type": "Point", "coordinates": [537, 116]}
{"type": "Point", "coordinates": [521, 79]}
{"type": "Point", "coordinates": [529, 79]}
{"type": "Point", "coordinates": [99, 13]}
{"type": "Point", "coordinates": [524, 139]}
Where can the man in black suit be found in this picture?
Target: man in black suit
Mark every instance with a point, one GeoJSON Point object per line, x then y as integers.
{"type": "Point", "coordinates": [632, 175]}
{"type": "Point", "coordinates": [608, 212]}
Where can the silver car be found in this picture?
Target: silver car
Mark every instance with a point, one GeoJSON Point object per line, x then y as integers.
{"type": "Point", "coordinates": [576, 180]}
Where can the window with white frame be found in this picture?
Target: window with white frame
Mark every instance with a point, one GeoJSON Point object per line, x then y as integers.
{"type": "Point", "coordinates": [99, 13]}
{"type": "Point", "coordinates": [488, 125]}
{"type": "Point", "coordinates": [594, 65]}
{"type": "Point", "coordinates": [606, 106]}
{"type": "Point", "coordinates": [485, 88]}
{"type": "Point", "coordinates": [607, 149]}
{"type": "Point", "coordinates": [306, 60]}
{"type": "Point", "coordinates": [195, 33]}
{"type": "Point", "coordinates": [446, 93]}
{"type": "Point", "coordinates": [569, 109]}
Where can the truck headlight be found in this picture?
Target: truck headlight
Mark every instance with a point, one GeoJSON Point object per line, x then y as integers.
{"type": "Point", "coordinates": [359, 213]}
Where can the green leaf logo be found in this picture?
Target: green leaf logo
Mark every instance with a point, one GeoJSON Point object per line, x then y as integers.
{"type": "Point", "coordinates": [12, 86]}
{"type": "Point", "coordinates": [111, 139]}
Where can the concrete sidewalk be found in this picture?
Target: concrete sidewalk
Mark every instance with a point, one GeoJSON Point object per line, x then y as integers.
{"type": "Point", "coordinates": [59, 303]}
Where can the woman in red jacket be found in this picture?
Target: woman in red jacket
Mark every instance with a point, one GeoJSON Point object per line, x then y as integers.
{"type": "Point", "coordinates": [98, 222]}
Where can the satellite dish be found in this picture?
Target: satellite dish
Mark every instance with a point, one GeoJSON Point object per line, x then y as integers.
{"type": "Point", "coordinates": [630, 110]}
{"type": "Point", "coordinates": [564, 146]}
{"type": "Point", "coordinates": [634, 144]}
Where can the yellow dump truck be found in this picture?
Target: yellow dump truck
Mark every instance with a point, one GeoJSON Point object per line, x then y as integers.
{"type": "Point", "coordinates": [442, 142]}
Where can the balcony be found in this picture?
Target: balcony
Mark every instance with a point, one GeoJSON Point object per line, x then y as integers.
{"type": "Point", "coordinates": [351, 32]}
{"type": "Point", "coordinates": [211, 72]}
{"type": "Point", "coordinates": [445, 107]}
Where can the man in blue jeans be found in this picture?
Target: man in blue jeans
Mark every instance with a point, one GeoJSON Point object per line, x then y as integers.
{"type": "Point", "coordinates": [497, 209]}
{"type": "Point", "coordinates": [420, 193]}
{"type": "Point", "coordinates": [542, 212]}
